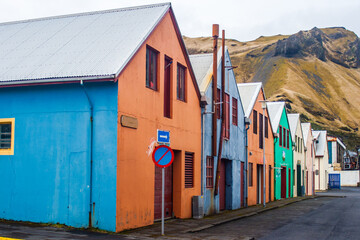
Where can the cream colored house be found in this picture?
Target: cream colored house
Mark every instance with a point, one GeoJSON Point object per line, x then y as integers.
{"type": "Point", "coordinates": [321, 164]}
{"type": "Point", "coordinates": [299, 154]}
{"type": "Point", "coordinates": [309, 158]}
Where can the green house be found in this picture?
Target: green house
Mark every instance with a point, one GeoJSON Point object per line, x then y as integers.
{"type": "Point", "coordinates": [283, 154]}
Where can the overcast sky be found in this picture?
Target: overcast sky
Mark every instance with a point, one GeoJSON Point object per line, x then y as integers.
{"type": "Point", "coordinates": [243, 20]}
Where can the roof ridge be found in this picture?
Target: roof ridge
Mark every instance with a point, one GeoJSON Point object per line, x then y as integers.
{"type": "Point", "coordinates": [87, 13]}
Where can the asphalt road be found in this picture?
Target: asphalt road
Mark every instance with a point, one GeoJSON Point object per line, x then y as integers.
{"type": "Point", "coordinates": [328, 217]}
{"type": "Point", "coordinates": [319, 218]}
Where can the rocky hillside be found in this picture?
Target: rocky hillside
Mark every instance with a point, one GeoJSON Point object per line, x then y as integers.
{"type": "Point", "coordinates": [317, 72]}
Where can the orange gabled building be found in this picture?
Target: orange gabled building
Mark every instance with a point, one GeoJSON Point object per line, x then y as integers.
{"type": "Point", "coordinates": [157, 90]}
{"type": "Point", "coordinates": [251, 96]}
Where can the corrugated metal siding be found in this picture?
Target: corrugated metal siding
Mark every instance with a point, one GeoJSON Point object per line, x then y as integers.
{"type": "Point", "coordinates": [90, 44]}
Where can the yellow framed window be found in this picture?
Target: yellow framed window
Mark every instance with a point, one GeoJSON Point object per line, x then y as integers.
{"type": "Point", "coordinates": [7, 135]}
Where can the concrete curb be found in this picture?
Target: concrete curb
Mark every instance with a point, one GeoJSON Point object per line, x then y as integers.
{"type": "Point", "coordinates": [244, 216]}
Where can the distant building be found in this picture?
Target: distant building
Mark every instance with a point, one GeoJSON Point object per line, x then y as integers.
{"type": "Point", "coordinates": [232, 181]}
{"type": "Point", "coordinates": [251, 96]}
{"type": "Point", "coordinates": [336, 152]}
{"type": "Point", "coordinates": [309, 158]}
{"type": "Point", "coordinates": [322, 166]}
{"type": "Point", "coordinates": [283, 153]}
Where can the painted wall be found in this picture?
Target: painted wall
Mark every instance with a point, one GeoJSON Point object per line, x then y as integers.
{"type": "Point", "coordinates": [279, 161]}
{"type": "Point", "coordinates": [348, 178]}
{"type": "Point", "coordinates": [309, 159]}
{"type": "Point", "coordinates": [233, 149]}
{"type": "Point", "coordinates": [136, 170]}
{"type": "Point", "coordinates": [48, 177]}
{"type": "Point", "coordinates": [255, 154]}
{"type": "Point", "coordinates": [299, 159]}
{"type": "Point", "coordinates": [321, 164]}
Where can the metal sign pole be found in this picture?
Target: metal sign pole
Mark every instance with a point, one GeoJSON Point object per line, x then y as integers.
{"type": "Point", "coordinates": [162, 200]}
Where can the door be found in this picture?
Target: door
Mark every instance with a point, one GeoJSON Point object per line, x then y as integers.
{"type": "Point", "coordinates": [167, 88]}
{"type": "Point", "coordinates": [242, 186]}
{"type": "Point", "coordinates": [168, 193]}
{"type": "Point", "coordinates": [283, 182]}
{"type": "Point", "coordinates": [289, 183]}
{"type": "Point", "coordinates": [222, 185]}
{"type": "Point", "coordinates": [298, 179]}
{"type": "Point", "coordinates": [269, 185]}
{"type": "Point", "coordinates": [307, 182]}
{"type": "Point", "coordinates": [259, 185]}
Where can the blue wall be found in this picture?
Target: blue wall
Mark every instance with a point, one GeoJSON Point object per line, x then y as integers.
{"type": "Point", "coordinates": [233, 149]}
{"type": "Point", "coordinates": [48, 177]}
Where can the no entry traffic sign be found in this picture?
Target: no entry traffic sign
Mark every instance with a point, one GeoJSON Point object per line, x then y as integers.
{"type": "Point", "coordinates": [163, 156]}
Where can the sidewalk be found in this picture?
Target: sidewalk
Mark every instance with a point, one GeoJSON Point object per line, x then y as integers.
{"type": "Point", "coordinates": [175, 227]}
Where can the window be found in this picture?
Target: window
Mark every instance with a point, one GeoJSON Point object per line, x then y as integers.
{"type": "Point", "coordinates": [284, 137]}
{"type": "Point", "coordinates": [218, 105]}
{"type": "Point", "coordinates": [250, 174]}
{"type": "Point", "coordinates": [266, 127]}
{"type": "Point", "coordinates": [280, 136]}
{"type": "Point", "coordinates": [167, 86]}
{"type": "Point", "coordinates": [255, 121]}
{"type": "Point", "coordinates": [234, 112]}
{"type": "Point", "coordinates": [261, 142]}
{"type": "Point", "coordinates": [288, 139]}
{"type": "Point", "coordinates": [189, 170]}
{"type": "Point", "coordinates": [209, 172]}
{"type": "Point", "coordinates": [7, 131]}
{"type": "Point", "coordinates": [151, 68]}
{"type": "Point", "coordinates": [227, 116]}
{"type": "Point", "coordinates": [181, 82]}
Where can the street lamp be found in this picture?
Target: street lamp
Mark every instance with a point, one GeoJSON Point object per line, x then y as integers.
{"type": "Point", "coordinates": [263, 106]}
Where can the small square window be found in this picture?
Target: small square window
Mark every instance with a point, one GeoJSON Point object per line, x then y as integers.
{"type": "Point", "coordinates": [7, 131]}
{"type": "Point", "coordinates": [151, 68]}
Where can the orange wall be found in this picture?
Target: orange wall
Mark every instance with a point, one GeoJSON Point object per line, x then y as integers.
{"type": "Point", "coordinates": [256, 156]}
{"type": "Point", "coordinates": [135, 169]}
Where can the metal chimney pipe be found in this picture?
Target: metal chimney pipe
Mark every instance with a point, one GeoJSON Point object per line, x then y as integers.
{"type": "Point", "coordinates": [215, 33]}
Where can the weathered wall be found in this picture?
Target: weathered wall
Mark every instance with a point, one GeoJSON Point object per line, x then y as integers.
{"type": "Point", "coordinates": [348, 178]}
{"type": "Point", "coordinates": [299, 159]}
{"type": "Point", "coordinates": [310, 161]}
{"type": "Point", "coordinates": [233, 149]}
{"type": "Point", "coordinates": [255, 154]}
{"type": "Point", "coordinates": [48, 177]}
{"type": "Point", "coordinates": [136, 170]}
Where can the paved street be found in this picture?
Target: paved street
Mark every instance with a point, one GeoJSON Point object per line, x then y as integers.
{"type": "Point", "coordinates": [329, 216]}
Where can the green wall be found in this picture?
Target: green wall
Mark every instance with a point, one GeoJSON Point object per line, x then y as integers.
{"type": "Point", "coordinates": [279, 161]}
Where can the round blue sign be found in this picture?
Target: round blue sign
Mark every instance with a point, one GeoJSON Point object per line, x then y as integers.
{"type": "Point", "coordinates": [163, 156]}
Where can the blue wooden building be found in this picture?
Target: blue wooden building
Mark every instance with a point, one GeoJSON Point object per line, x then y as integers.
{"type": "Point", "coordinates": [232, 168]}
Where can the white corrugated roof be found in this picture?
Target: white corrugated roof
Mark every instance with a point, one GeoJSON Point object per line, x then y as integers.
{"type": "Point", "coordinates": [79, 45]}
{"type": "Point", "coordinates": [305, 129]}
{"type": "Point", "coordinates": [293, 119]}
{"type": "Point", "coordinates": [202, 65]}
{"type": "Point", "coordinates": [248, 94]}
{"type": "Point", "coordinates": [275, 110]}
{"type": "Point", "coordinates": [320, 143]}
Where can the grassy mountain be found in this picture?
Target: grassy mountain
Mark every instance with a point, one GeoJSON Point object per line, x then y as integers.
{"type": "Point", "coordinates": [317, 73]}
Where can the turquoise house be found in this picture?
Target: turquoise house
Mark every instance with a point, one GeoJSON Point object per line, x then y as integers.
{"type": "Point", "coordinates": [283, 153]}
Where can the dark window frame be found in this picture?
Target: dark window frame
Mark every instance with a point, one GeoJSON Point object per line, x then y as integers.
{"type": "Point", "coordinates": [280, 136]}
{"type": "Point", "coordinates": [181, 82]}
{"type": "Point", "coordinates": [227, 116]}
{"type": "Point", "coordinates": [209, 172]}
{"type": "Point", "coordinates": [189, 170]}
{"type": "Point", "coordinates": [234, 112]}
{"type": "Point", "coordinates": [251, 167]}
{"type": "Point", "coordinates": [150, 82]}
{"type": "Point", "coordinates": [255, 122]}
{"type": "Point", "coordinates": [261, 140]}
{"type": "Point", "coordinates": [266, 127]}
{"type": "Point", "coordinates": [6, 135]}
